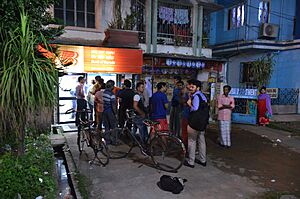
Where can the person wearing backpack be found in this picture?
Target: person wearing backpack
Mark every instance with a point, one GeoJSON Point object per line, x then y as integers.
{"type": "Point", "coordinates": [197, 122]}
{"type": "Point", "coordinates": [225, 106]}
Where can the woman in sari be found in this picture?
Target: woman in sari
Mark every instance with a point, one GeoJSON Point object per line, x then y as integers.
{"type": "Point", "coordinates": [264, 107]}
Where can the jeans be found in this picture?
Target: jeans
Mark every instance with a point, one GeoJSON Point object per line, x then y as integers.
{"type": "Point", "coordinates": [81, 104]}
{"type": "Point", "coordinates": [138, 122]}
{"type": "Point", "coordinates": [109, 122]}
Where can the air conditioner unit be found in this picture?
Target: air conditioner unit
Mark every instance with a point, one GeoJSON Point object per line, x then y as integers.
{"type": "Point", "coordinates": [268, 30]}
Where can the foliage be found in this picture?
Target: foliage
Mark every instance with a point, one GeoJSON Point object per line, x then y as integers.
{"type": "Point", "coordinates": [26, 80]}
{"type": "Point", "coordinates": [30, 175]}
{"type": "Point", "coordinates": [118, 23]}
{"type": "Point", "coordinates": [82, 183]}
{"type": "Point", "coordinates": [292, 127]}
{"type": "Point", "coordinates": [262, 69]}
{"type": "Point", "coordinates": [36, 10]}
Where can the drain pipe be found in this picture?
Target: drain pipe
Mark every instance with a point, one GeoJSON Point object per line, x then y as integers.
{"type": "Point", "coordinates": [154, 26]}
{"type": "Point", "coordinates": [200, 31]}
{"type": "Point", "coordinates": [195, 27]}
{"type": "Point", "coordinates": [148, 25]}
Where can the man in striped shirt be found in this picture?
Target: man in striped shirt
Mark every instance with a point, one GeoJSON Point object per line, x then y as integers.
{"type": "Point", "coordinates": [109, 108]}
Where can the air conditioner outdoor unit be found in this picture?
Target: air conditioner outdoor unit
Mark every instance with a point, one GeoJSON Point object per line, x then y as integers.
{"type": "Point", "coordinates": [268, 30]}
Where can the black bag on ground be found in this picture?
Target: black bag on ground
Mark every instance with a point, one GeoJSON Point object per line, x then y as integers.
{"type": "Point", "coordinates": [171, 184]}
{"type": "Point", "coordinates": [198, 119]}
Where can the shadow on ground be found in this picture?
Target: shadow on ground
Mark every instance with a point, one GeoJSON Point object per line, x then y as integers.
{"type": "Point", "coordinates": [266, 163]}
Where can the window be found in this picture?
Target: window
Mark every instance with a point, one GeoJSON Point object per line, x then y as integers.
{"type": "Point", "coordinates": [264, 11]}
{"type": "Point", "coordinates": [236, 17]}
{"type": "Point", "coordinates": [79, 13]}
{"type": "Point", "coordinates": [246, 75]}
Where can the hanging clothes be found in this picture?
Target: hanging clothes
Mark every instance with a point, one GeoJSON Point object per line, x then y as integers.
{"type": "Point", "coordinates": [166, 14]}
{"type": "Point", "coordinates": [181, 16]}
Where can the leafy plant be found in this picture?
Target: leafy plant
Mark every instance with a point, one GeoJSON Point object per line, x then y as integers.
{"type": "Point", "coordinates": [30, 175]}
{"type": "Point", "coordinates": [38, 12]}
{"type": "Point", "coordinates": [262, 69]}
{"type": "Point", "coordinates": [118, 23]}
{"type": "Point", "coordinates": [26, 80]}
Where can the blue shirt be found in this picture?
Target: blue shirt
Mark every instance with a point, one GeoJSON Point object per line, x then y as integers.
{"type": "Point", "coordinates": [196, 100]}
{"type": "Point", "coordinates": [186, 108]}
{"type": "Point", "coordinates": [158, 101]}
{"type": "Point", "coordinates": [175, 98]}
{"type": "Point", "coordinates": [109, 100]}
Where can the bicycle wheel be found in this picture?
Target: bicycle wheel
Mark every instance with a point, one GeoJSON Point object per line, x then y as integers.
{"type": "Point", "coordinates": [167, 152]}
{"type": "Point", "coordinates": [120, 143]}
{"type": "Point", "coordinates": [100, 149]}
{"type": "Point", "coordinates": [81, 139]}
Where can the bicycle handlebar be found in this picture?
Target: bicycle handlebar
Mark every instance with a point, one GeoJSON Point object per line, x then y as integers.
{"type": "Point", "coordinates": [81, 111]}
{"type": "Point", "coordinates": [150, 122]}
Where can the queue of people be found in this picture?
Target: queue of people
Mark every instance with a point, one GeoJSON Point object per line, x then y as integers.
{"type": "Point", "coordinates": [189, 110]}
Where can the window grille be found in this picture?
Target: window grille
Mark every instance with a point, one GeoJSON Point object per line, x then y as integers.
{"type": "Point", "coordinates": [236, 17]}
{"type": "Point", "coordinates": [264, 11]}
{"type": "Point", "coordinates": [174, 24]}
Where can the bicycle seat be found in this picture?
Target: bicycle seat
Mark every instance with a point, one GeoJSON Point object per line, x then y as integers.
{"type": "Point", "coordinates": [130, 113]}
{"type": "Point", "coordinates": [150, 122]}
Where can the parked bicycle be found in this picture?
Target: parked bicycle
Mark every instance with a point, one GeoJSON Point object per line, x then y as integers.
{"type": "Point", "coordinates": [165, 149]}
{"type": "Point", "coordinates": [90, 137]}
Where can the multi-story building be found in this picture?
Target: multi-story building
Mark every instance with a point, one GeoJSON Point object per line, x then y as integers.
{"type": "Point", "coordinates": [173, 36]}
{"type": "Point", "coordinates": [247, 30]}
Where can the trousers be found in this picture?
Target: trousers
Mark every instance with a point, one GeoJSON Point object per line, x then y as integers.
{"type": "Point", "coordinates": [192, 142]}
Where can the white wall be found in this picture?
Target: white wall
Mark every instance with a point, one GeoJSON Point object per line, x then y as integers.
{"type": "Point", "coordinates": [206, 52]}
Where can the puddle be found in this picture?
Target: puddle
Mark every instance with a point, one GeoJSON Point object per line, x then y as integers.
{"type": "Point", "coordinates": [65, 186]}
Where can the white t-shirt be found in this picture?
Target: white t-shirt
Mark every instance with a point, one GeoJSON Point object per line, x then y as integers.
{"type": "Point", "coordinates": [136, 97]}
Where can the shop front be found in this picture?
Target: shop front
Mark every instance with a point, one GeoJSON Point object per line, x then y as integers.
{"type": "Point", "coordinates": [245, 110]}
{"type": "Point", "coordinates": [163, 67]}
{"type": "Point", "coordinates": [109, 63]}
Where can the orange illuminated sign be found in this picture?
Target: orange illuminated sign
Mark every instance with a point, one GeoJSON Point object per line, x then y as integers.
{"type": "Point", "coordinates": [116, 60]}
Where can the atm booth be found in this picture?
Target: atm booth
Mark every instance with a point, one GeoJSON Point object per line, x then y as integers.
{"type": "Point", "coordinates": [109, 63]}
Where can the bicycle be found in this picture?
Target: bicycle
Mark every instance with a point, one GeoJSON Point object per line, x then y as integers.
{"type": "Point", "coordinates": [91, 138]}
{"type": "Point", "coordinates": [167, 152]}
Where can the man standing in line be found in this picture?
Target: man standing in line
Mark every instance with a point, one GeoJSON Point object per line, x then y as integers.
{"type": "Point", "coordinates": [225, 106]}
{"type": "Point", "coordinates": [80, 99]}
{"type": "Point", "coordinates": [109, 109]}
{"type": "Point", "coordinates": [194, 102]}
{"type": "Point", "coordinates": [125, 101]}
{"type": "Point", "coordinates": [141, 112]}
{"type": "Point", "coordinates": [175, 111]}
{"type": "Point", "coordinates": [159, 105]}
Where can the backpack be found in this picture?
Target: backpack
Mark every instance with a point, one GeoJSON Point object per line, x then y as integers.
{"type": "Point", "coordinates": [171, 184]}
{"type": "Point", "coordinates": [198, 119]}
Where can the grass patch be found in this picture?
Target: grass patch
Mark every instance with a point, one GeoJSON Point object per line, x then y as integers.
{"type": "Point", "coordinates": [30, 175]}
{"type": "Point", "coordinates": [82, 183]}
{"type": "Point", "coordinates": [273, 195]}
{"type": "Point", "coordinates": [292, 127]}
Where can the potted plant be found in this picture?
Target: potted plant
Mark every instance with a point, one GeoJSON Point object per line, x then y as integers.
{"type": "Point", "coordinates": [119, 31]}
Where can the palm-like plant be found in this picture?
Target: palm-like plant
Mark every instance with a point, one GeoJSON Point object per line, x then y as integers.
{"type": "Point", "coordinates": [262, 69]}
{"type": "Point", "coordinates": [27, 81]}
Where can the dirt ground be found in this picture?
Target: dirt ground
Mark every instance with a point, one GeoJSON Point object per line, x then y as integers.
{"type": "Point", "coordinates": [266, 163]}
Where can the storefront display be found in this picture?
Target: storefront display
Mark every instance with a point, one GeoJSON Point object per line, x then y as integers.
{"type": "Point", "coordinates": [245, 110]}
{"type": "Point", "coordinates": [164, 68]}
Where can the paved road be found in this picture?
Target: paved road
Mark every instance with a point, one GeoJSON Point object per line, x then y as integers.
{"type": "Point", "coordinates": [134, 177]}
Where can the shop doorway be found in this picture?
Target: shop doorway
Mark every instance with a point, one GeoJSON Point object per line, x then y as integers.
{"type": "Point", "coordinates": [67, 97]}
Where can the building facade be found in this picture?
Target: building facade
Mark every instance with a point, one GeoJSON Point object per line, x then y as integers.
{"type": "Point", "coordinates": [173, 36]}
{"type": "Point", "coordinates": [244, 31]}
